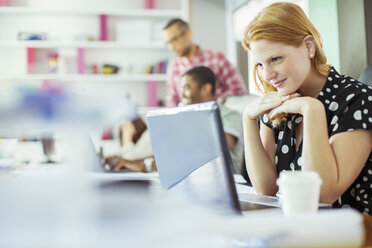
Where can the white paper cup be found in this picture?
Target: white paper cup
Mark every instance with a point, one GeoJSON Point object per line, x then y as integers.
{"type": "Point", "coordinates": [300, 191]}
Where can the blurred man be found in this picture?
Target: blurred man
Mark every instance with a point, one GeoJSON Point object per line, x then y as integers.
{"type": "Point", "coordinates": [198, 86]}
{"type": "Point", "coordinates": [177, 35]}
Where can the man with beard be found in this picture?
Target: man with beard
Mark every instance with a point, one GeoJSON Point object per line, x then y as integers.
{"type": "Point", "coordinates": [178, 37]}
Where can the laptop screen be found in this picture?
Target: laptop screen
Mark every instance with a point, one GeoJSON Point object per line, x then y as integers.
{"type": "Point", "coordinates": [191, 154]}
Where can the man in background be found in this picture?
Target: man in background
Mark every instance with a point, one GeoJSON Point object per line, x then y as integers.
{"type": "Point", "coordinates": [198, 85]}
{"type": "Point", "coordinates": [229, 82]}
{"type": "Point", "coordinates": [178, 37]}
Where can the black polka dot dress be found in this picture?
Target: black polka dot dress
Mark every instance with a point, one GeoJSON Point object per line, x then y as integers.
{"type": "Point", "coordinates": [348, 106]}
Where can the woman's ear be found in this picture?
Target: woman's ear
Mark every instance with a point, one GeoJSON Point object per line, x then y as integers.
{"type": "Point", "coordinates": [310, 45]}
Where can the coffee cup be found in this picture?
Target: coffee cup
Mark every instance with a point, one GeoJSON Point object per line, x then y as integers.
{"type": "Point", "coordinates": [300, 191]}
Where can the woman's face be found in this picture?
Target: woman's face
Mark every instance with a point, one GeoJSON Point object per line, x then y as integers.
{"type": "Point", "coordinates": [285, 67]}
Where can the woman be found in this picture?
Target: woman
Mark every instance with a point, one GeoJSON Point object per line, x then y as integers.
{"type": "Point", "coordinates": [312, 117]}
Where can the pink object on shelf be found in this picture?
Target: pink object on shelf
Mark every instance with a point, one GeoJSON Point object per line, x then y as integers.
{"type": "Point", "coordinates": [107, 134]}
{"type": "Point", "coordinates": [3, 2]}
{"type": "Point", "coordinates": [30, 60]}
{"type": "Point", "coordinates": [150, 4]}
{"type": "Point", "coordinates": [80, 61]}
{"type": "Point", "coordinates": [103, 27]}
{"type": "Point", "coordinates": [152, 94]}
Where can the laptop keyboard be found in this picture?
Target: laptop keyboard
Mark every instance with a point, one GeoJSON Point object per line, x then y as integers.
{"type": "Point", "coordinates": [248, 206]}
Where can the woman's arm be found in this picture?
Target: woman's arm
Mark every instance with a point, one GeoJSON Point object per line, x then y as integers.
{"type": "Point", "coordinates": [338, 159]}
{"type": "Point", "coordinates": [260, 145]}
{"type": "Point", "coordinates": [259, 148]}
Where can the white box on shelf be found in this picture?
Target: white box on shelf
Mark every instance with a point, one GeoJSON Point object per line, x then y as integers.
{"type": "Point", "coordinates": [157, 31]}
{"type": "Point", "coordinates": [134, 31]}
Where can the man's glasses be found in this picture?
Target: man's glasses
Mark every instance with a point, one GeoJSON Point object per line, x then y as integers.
{"type": "Point", "coordinates": [176, 38]}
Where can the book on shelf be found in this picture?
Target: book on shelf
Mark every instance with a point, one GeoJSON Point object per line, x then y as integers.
{"type": "Point", "coordinates": [158, 68]}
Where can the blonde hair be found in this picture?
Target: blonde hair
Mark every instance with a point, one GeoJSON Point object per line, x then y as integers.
{"type": "Point", "coordinates": [285, 23]}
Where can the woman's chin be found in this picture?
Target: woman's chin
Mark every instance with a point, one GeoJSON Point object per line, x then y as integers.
{"type": "Point", "coordinates": [285, 92]}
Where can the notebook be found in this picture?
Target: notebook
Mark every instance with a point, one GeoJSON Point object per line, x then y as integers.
{"type": "Point", "coordinates": [192, 157]}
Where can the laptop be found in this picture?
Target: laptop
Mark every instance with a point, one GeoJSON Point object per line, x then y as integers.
{"type": "Point", "coordinates": [95, 161]}
{"type": "Point", "coordinates": [193, 159]}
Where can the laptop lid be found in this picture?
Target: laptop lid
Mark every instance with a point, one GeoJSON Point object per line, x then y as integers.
{"type": "Point", "coordinates": [91, 159]}
{"type": "Point", "coordinates": [95, 161]}
{"type": "Point", "coordinates": [192, 156]}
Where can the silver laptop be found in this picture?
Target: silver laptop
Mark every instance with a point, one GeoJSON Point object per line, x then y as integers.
{"type": "Point", "coordinates": [95, 161]}
{"type": "Point", "coordinates": [193, 159]}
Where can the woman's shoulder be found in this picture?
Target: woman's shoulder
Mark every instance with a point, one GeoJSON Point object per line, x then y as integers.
{"type": "Point", "coordinates": [352, 89]}
{"type": "Point", "coordinates": [346, 87]}
{"type": "Point", "coordinates": [348, 104]}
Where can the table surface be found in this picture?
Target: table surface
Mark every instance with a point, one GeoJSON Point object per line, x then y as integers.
{"type": "Point", "coordinates": [368, 228]}
{"type": "Point", "coordinates": [34, 168]}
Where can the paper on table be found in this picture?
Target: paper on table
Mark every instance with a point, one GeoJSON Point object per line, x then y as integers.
{"type": "Point", "coordinates": [328, 228]}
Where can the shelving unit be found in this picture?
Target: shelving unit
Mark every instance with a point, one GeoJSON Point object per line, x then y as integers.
{"type": "Point", "coordinates": [78, 44]}
{"type": "Point", "coordinates": [112, 12]}
{"type": "Point", "coordinates": [87, 77]}
{"type": "Point", "coordinates": [27, 60]}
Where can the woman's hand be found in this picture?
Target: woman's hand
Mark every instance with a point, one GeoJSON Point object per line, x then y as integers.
{"type": "Point", "coordinates": [265, 104]}
{"type": "Point", "coordinates": [295, 105]}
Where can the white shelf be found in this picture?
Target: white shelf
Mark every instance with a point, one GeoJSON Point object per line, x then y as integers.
{"type": "Point", "coordinates": [79, 44]}
{"type": "Point", "coordinates": [88, 77]}
{"type": "Point", "coordinates": [63, 20]}
{"type": "Point", "coordinates": [164, 13]}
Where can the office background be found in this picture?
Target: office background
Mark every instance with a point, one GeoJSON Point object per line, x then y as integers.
{"type": "Point", "coordinates": [78, 212]}
{"type": "Point", "coordinates": [216, 24]}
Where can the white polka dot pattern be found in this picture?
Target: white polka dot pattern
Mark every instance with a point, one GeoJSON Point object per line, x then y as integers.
{"type": "Point", "coordinates": [335, 127]}
{"type": "Point", "coordinates": [299, 161]}
{"type": "Point", "coordinates": [285, 149]}
{"type": "Point", "coordinates": [289, 124]}
{"type": "Point", "coordinates": [280, 135]}
{"type": "Point", "coordinates": [334, 120]}
{"type": "Point", "coordinates": [349, 97]}
{"type": "Point", "coordinates": [348, 107]}
{"type": "Point", "coordinates": [358, 115]}
{"type": "Point", "coordinates": [333, 106]}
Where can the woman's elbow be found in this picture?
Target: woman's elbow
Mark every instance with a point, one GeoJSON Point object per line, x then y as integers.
{"type": "Point", "coordinates": [266, 191]}
{"type": "Point", "coordinates": [328, 197]}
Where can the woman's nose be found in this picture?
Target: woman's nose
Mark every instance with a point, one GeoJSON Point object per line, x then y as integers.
{"type": "Point", "coordinates": [268, 74]}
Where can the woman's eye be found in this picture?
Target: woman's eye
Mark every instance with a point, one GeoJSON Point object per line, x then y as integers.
{"type": "Point", "coordinates": [276, 59]}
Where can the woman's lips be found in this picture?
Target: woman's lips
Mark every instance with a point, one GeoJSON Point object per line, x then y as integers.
{"type": "Point", "coordinates": [278, 84]}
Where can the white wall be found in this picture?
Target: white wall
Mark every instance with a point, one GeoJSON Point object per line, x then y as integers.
{"type": "Point", "coordinates": [353, 48]}
{"type": "Point", "coordinates": [208, 24]}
